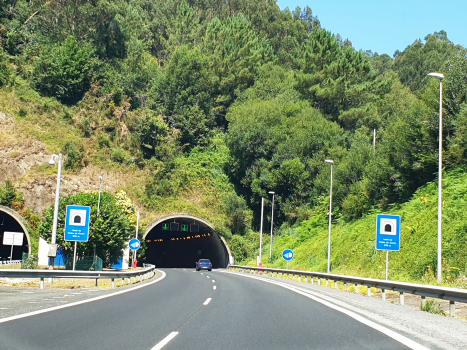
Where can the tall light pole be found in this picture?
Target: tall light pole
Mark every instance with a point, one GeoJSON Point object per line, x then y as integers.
{"type": "Point", "coordinates": [272, 225]}
{"type": "Point", "coordinates": [261, 233]}
{"type": "Point", "coordinates": [99, 200]}
{"type": "Point", "coordinates": [440, 76]}
{"type": "Point", "coordinates": [330, 215]}
{"type": "Point", "coordinates": [57, 199]}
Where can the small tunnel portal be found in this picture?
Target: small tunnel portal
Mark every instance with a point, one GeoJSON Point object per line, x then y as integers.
{"type": "Point", "coordinates": [12, 225]}
{"type": "Point", "coordinates": [181, 240]}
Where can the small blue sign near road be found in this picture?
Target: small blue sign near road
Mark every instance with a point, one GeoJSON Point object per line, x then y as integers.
{"type": "Point", "coordinates": [134, 244]}
{"type": "Point", "coordinates": [77, 223]}
{"type": "Point", "coordinates": [388, 232]}
{"type": "Point", "coordinates": [288, 254]}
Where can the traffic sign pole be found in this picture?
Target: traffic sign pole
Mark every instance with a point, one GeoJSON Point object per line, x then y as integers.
{"type": "Point", "coordinates": [387, 265]}
{"type": "Point", "coordinates": [74, 255]}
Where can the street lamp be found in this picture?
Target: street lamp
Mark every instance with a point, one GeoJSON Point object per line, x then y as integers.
{"type": "Point", "coordinates": [440, 76]}
{"type": "Point", "coordinates": [330, 215]}
{"type": "Point", "coordinates": [57, 200]}
{"type": "Point", "coordinates": [99, 200]}
{"type": "Point", "coordinates": [272, 224]}
{"type": "Point", "coordinates": [261, 233]}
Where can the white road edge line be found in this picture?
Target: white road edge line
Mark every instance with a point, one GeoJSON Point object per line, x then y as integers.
{"type": "Point", "coordinates": [390, 333]}
{"type": "Point", "coordinates": [37, 312]}
{"type": "Point", "coordinates": [208, 300]}
{"type": "Point", "coordinates": [214, 287]}
{"type": "Point", "coordinates": [165, 341]}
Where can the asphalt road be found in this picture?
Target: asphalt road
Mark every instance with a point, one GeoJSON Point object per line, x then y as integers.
{"type": "Point", "coordinates": [196, 310]}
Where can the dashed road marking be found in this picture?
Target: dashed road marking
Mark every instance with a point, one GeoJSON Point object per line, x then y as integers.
{"type": "Point", "coordinates": [208, 300]}
{"type": "Point", "coordinates": [165, 341]}
{"type": "Point", "coordinates": [214, 287]}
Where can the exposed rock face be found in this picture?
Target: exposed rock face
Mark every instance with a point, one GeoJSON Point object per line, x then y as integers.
{"type": "Point", "coordinates": [19, 155]}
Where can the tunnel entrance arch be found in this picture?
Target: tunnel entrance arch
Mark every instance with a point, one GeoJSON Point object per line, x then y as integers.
{"type": "Point", "coordinates": [179, 240]}
{"type": "Point", "coordinates": [11, 221]}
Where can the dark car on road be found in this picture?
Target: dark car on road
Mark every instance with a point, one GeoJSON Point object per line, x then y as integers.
{"type": "Point", "coordinates": [204, 264]}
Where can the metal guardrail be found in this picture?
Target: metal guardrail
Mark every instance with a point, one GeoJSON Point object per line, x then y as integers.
{"type": "Point", "coordinates": [138, 275]}
{"type": "Point", "coordinates": [446, 293]}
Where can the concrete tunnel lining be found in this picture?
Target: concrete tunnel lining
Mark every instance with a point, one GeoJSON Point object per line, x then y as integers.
{"type": "Point", "coordinates": [166, 248]}
{"type": "Point", "coordinates": [11, 221]}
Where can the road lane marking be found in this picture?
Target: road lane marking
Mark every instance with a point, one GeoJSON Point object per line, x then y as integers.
{"type": "Point", "coordinates": [208, 277]}
{"type": "Point", "coordinates": [37, 312]}
{"type": "Point", "coordinates": [202, 274]}
{"type": "Point", "coordinates": [76, 293]}
{"type": "Point", "coordinates": [390, 333]}
{"type": "Point", "coordinates": [165, 341]}
{"type": "Point", "coordinates": [27, 292]}
{"type": "Point", "coordinates": [208, 300]}
{"type": "Point", "coordinates": [213, 281]}
{"type": "Point", "coordinates": [214, 287]}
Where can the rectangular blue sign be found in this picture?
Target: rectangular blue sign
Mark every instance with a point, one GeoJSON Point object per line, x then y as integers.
{"type": "Point", "coordinates": [388, 232]}
{"type": "Point", "coordinates": [77, 223]}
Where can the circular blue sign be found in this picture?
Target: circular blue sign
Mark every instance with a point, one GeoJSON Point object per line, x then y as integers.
{"type": "Point", "coordinates": [134, 244]}
{"type": "Point", "coordinates": [288, 254]}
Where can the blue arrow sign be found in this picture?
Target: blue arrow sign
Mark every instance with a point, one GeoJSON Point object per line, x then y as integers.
{"type": "Point", "coordinates": [77, 223]}
{"type": "Point", "coordinates": [288, 254]}
{"type": "Point", "coordinates": [134, 244]}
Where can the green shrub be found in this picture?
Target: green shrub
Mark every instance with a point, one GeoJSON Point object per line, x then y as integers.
{"type": "Point", "coordinates": [74, 155]}
{"type": "Point", "coordinates": [433, 307]}
{"type": "Point", "coordinates": [65, 70]}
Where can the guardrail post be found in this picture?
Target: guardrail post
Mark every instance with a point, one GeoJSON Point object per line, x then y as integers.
{"type": "Point", "coordinates": [42, 282]}
{"type": "Point", "coordinates": [452, 308]}
{"type": "Point", "coordinates": [306, 279]}
{"type": "Point", "coordinates": [96, 283]}
{"type": "Point", "coordinates": [123, 281]}
{"type": "Point", "coordinates": [401, 298]}
{"type": "Point", "coordinates": [113, 282]}
{"type": "Point", "coordinates": [369, 291]}
{"type": "Point", "coordinates": [383, 294]}
{"type": "Point", "coordinates": [336, 286]}
{"type": "Point", "coordinates": [327, 282]}
{"type": "Point", "coordinates": [312, 280]}
{"type": "Point", "coordinates": [423, 301]}
{"type": "Point", "coordinates": [345, 286]}
{"type": "Point", "coordinates": [319, 281]}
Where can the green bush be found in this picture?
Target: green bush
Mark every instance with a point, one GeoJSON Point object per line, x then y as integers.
{"type": "Point", "coordinates": [65, 70]}
{"type": "Point", "coordinates": [74, 155]}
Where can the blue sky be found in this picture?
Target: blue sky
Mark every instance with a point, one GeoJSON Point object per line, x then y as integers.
{"type": "Point", "coordinates": [385, 26]}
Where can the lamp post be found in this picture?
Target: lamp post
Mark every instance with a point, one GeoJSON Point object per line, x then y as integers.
{"type": "Point", "coordinates": [99, 200]}
{"type": "Point", "coordinates": [272, 225]}
{"type": "Point", "coordinates": [57, 199]}
{"type": "Point", "coordinates": [440, 76]}
{"type": "Point", "coordinates": [261, 233]}
{"type": "Point", "coordinates": [330, 215]}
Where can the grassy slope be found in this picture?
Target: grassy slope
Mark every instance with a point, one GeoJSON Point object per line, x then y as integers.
{"type": "Point", "coordinates": [353, 244]}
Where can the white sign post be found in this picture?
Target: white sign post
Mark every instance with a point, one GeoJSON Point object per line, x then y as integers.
{"type": "Point", "coordinates": [12, 238]}
{"type": "Point", "coordinates": [388, 235]}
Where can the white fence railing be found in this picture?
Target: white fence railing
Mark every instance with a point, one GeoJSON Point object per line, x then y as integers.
{"type": "Point", "coordinates": [13, 262]}
{"type": "Point", "coordinates": [138, 275]}
{"type": "Point", "coordinates": [451, 294]}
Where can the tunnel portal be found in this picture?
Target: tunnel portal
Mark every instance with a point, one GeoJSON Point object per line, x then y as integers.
{"type": "Point", "coordinates": [12, 222]}
{"type": "Point", "coordinates": [181, 240]}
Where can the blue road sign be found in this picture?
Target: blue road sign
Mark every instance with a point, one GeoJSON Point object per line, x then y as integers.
{"type": "Point", "coordinates": [287, 254]}
{"type": "Point", "coordinates": [134, 244]}
{"type": "Point", "coordinates": [77, 223]}
{"type": "Point", "coordinates": [388, 232]}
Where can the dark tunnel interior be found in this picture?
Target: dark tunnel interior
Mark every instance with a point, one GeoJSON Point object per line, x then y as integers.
{"type": "Point", "coordinates": [180, 242]}
{"type": "Point", "coordinates": [9, 224]}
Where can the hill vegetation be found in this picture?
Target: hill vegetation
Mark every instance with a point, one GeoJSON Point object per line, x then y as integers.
{"type": "Point", "coordinates": [206, 106]}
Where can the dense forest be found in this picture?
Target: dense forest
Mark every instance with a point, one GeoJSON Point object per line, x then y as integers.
{"type": "Point", "coordinates": [239, 98]}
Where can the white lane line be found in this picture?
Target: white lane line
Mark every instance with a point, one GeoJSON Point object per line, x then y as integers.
{"type": "Point", "coordinates": [390, 333]}
{"type": "Point", "coordinates": [7, 319]}
{"type": "Point", "coordinates": [57, 297]}
{"type": "Point", "coordinates": [3, 308]}
{"type": "Point", "coordinates": [202, 274]}
{"type": "Point", "coordinates": [213, 281]}
{"type": "Point", "coordinates": [208, 300]}
{"type": "Point", "coordinates": [165, 341]}
{"type": "Point", "coordinates": [76, 293]}
{"type": "Point", "coordinates": [27, 292]}
{"type": "Point", "coordinates": [214, 287]}
{"type": "Point", "coordinates": [34, 302]}
{"type": "Point", "coordinates": [208, 277]}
